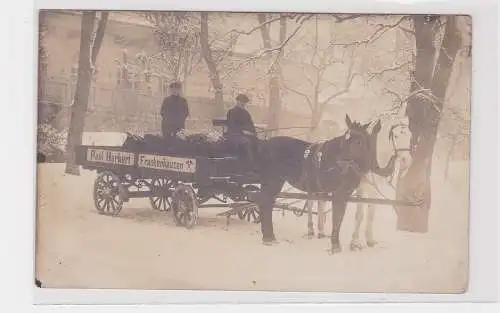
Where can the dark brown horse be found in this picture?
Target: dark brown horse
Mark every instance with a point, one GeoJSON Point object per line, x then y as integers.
{"type": "Point", "coordinates": [335, 166]}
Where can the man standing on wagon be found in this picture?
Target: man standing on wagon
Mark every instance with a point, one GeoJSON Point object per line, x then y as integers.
{"type": "Point", "coordinates": [174, 111]}
{"type": "Point", "coordinates": [240, 126]}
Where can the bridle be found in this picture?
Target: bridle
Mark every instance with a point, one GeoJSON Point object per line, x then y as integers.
{"type": "Point", "coordinates": [395, 149]}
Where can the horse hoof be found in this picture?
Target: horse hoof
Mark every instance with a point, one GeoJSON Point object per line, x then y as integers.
{"type": "Point", "coordinates": [335, 250]}
{"type": "Point", "coordinates": [356, 245]}
{"type": "Point", "coordinates": [320, 235]}
{"type": "Point", "coordinates": [371, 243]}
{"type": "Point", "coordinates": [309, 235]}
{"type": "Point", "coordinates": [269, 242]}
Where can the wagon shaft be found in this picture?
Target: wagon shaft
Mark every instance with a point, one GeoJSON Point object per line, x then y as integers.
{"type": "Point", "coordinates": [296, 195]}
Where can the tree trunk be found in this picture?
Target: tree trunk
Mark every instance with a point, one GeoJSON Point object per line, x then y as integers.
{"type": "Point", "coordinates": [99, 36]}
{"type": "Point", "coordinates": [80, 101]}
{"type": "Point", "coordinates": [424, 116]}
{"type": "Point", "coordinates": [274, 107]}
{"type": "Point", "coordinates": [43, 109]}
{"type": "Point", "coordinates": [212, 67]}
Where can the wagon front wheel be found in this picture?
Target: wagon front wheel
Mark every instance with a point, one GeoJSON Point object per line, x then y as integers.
{"type": "Point", "coordinates": [108, 193]}
{"type": "Point", "coordinates": [184, 206]}
{"type": "Point", "coordinates": [250, 214]}
{"type": "Point", "coordinates": [161, 198]}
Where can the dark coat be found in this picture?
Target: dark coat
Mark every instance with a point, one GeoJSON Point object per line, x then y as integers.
{"type": "Point", "coordinates": [239, 120]}
{"type": "Point", "coordinates": [174, 111]}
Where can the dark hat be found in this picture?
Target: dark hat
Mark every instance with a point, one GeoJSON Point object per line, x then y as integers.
{"type": "Point", "coordinates": [242, 98]}
{"type": "Point", "coordinates": [176, 85]}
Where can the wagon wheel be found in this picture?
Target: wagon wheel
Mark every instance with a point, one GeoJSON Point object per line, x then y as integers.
{"type": "Point", "coordinates": [108, 193]}
{"type": "Point", "coordinates": [162, 186]}
{"type": "Point", "coordinates": [250, 214]}
{"type": "Point", "coordinates": [184, 206]}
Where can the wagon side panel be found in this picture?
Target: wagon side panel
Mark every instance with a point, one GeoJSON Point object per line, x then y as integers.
{"type": "Point", "coordinates": [102, 158]}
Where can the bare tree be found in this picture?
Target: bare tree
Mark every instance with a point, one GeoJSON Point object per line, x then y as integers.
{"type": "Point", "coordinates": [177, 35]}
{"type": "Point", "coordinates": [320, 90]}
{"type": "Point", "coordinates": [437, 42]}
{"type": "Point", "coordinates": [89, 40]}
{"type": "Point", "coordinates": [275, 69]}
{"type": "Point", "coordinates": [433, 67]}
{"type": "Point", "coordinates": [42, 66]}
{"type": "Point", "coordinates": [208, 56]}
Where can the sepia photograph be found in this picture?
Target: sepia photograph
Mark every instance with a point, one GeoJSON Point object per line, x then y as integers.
{"type": "Point", "coordinates": [253, 151]}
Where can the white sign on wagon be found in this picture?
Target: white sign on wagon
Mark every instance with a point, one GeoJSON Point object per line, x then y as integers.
{"type": "Point", "coordinates": [183, 165]}
{"type": "Point", "coordinates": [110, 157]}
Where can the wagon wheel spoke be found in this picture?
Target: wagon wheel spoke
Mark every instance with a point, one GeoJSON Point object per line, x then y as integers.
{"type": "Point", "coordinates": [254, 215]}
{"type": "Point", "coordinates": [186, 218]}
{"type": "Point", "coordinates": [248, 213]}
{"type": "Point", "coordinates": [107, 198]}
{"type": "Point", "coordinates": [184, 206]}
{"type": "Point", "coordinates": [116, 201]}
{"type": "Point", "coordinates": [106, 204]}
{"type": "Point", "coordinates": [112, 202]}
{"type": "Point", "coordinates": [100, 203]}
{"type": "Point", "coordinates": [158, 200]}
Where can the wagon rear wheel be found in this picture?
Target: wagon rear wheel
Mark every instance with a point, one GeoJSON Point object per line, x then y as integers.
{"type": "Point", "coordinates": [161, 188]}
{"type": "Point", "coordinates": [108, 193]}
{"type": "Point", "coordinates": [184, 206]}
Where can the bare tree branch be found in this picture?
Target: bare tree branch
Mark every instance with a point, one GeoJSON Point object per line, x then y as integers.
{"type": "Point", "coordinates": [339, 18]}
{"type": "Point", "coordinates": [407, 30]}
{"type": "Point", "coordinates": [249, 32]}
{"type": "Point", "coordinates": [283, 44]}
{"type": "Point", "coordinates": [267, 51]}
{"type": "Point", "coordinates": [349, 79]}
{"type": "Point", "coordinates": [300, 94]}
{"type": "Point", "coordinates": [307, 77]}
{"type": "Point", "coordinates": [395, 94]}
{"type": "Point", "coordinates": [377, 34]}
{"type": "Point", "coordinates": [389, 69]}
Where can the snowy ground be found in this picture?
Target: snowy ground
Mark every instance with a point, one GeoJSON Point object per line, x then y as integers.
{"type": "Point", "coordinates": [143, 249]}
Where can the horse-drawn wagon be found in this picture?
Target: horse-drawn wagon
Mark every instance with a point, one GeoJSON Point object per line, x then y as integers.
{"type": "Point", "coordinates": [183, 175]}
{"type": "Point", "coordinates": [171, 176]}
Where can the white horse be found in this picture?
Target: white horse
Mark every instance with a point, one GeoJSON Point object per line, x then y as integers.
{"type": "Point", "coordinates": [399, 137]}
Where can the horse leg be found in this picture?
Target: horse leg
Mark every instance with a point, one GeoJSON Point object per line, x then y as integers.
{"type": "Point", "coordinates": [310, 224]}
{"type": "Point", "coordinates": [321, 219]}
{"type": "Point", "coordinates": [355, 242]}
{"type": "Point", "coordinates": [269, 192]}
{"type": "Point", "coordinates": [338, 211]}
{"type": "Point", "coordinates": [369, 226]}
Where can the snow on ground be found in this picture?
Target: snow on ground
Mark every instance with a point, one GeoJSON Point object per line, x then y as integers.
{"type": "Point", "coordinates": [143, 249]}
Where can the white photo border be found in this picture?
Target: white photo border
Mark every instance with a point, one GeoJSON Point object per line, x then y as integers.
{"type": "Point", "coordinates": [19, 168]}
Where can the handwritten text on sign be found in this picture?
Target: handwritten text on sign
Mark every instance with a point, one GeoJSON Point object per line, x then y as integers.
{"type": "Point", "coordinates": [183, 165]}
{"type": "Point", "coordinates": [110, 156]}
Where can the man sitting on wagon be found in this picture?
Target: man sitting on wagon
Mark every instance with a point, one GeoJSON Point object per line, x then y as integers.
{"type": "Point", "coordinates": [174, 111]}
{"type": "Point", "coordinates": [240, 127]}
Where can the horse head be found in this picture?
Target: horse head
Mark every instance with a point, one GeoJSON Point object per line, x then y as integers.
{"type": "Point", "coordinates": [356, 142]}
{"type": "Point", "coordinates": [399, 137]}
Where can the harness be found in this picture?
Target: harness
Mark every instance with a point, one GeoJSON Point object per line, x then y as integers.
{"type": "Point", "coordinates": [311, 166]}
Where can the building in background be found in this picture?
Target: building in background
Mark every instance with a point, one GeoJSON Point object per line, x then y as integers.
{"type": "Point", "coordinates": [123, 95]}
